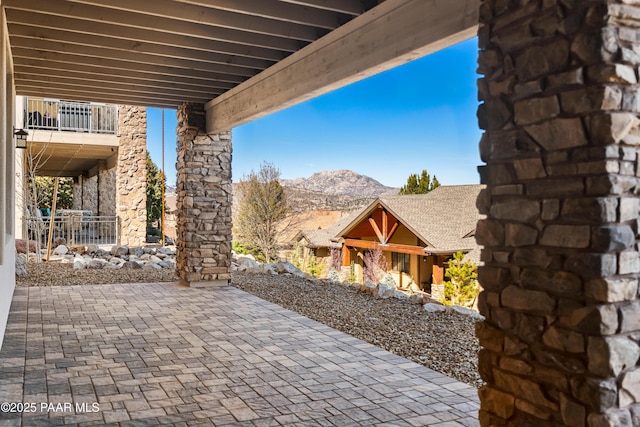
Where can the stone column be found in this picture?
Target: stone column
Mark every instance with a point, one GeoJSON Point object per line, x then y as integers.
{"type": "Point", "coordinates": [203, 201]}
{"type": "Point", "coordinates": [131, 188]}
{"type": "Point", "coordinates": [561, 263]}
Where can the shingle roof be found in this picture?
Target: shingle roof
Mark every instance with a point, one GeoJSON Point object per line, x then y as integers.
{"type": "Point", "coordinates": [321, 238]}
{"type": "Point", "coordinates": [444, 218]}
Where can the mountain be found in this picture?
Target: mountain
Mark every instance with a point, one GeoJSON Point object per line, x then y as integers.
{"type": "Point", "coordinates": [341, 182]}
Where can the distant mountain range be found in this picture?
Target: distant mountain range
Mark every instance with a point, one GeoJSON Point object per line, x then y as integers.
{"type": "Point", "coordinates": [342, 182]}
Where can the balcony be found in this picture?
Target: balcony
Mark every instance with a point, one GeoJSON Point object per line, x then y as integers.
{"type": "Point", "coordinates": [54, 115]}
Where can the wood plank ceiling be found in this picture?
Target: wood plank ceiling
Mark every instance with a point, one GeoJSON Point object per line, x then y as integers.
{"type": "Point", "coordinates": [159, 53]}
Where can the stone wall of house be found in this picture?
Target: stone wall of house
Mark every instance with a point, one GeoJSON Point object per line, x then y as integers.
{"type": "Point", "coordinates": [203, 216]}
{"type": "Point", "coordinates": [107, 191]}
{"type": "Point", "coordinates": [131, 198]}
{"type": "Point", "coordinates": [85, 193]}
{"type": "Point", "coordinates": [97, 193]}
{"type": "Point", "coordinates": [561, 144]}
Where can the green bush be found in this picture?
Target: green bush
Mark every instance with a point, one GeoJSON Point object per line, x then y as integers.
{"type": "Point", "coordinates": [463, 288]}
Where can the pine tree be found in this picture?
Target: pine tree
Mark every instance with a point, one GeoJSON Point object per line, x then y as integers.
{"type": "Point", "coordinates": [155, 183]}
{"type": "Point", "coordinates": [463, 287]}
{"type": "Point", "coordinates": [420, 184]}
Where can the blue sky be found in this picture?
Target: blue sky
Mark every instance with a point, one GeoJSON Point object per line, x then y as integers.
{"type": "Point", "coordinates": [421, 115]}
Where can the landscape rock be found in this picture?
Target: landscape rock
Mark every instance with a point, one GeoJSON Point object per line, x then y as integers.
{"type": "Point", "coordinates": [367, 288]}
{"type": "Point", "coordinates": [384, 291]}
{"type": "Point", "coordinates": [119, 250]}
{"type": "Point", "coordinates": [60, 250]}
{"type": "Point", "coordinates": [165, 251]}
{"type": "Point", "coordinates": [247, 261]}
{"type": "Point", "coordinates": [466, 312]}
{"type": "Point", "coordinates": [132, 265]}
{"type": "Point", "coordinates": [96, 263]}
{"type": "Point", "coordinates": [21, 265]}
{"type": "Point", "coordinates": [400, 295]}
{"type": "Point", "coordinates": [416, 298]}
{"type": "Point", "coordinates": [59, 241]}
{"type": "Point", "coordinates": [21, 246]}
{"type": "Point", "coordinates": [286, 267]}
{"type": "Point", "coordinates": [434, 308]}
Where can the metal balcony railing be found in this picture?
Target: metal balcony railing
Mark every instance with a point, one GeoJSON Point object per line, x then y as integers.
{"type": "Point", "coordinates": [76, 228]}
{"type": "Point", "coordinates": [71, 116]}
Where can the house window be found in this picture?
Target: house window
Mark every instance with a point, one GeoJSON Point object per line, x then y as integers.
{"type": "Point", "coordinates": [400, 262]}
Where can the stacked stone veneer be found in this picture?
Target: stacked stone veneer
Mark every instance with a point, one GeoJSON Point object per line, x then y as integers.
{"type": "Point", "coordinates": [560, 112]}
{"type": "Point", "coordinates": [203, 201]}
{"type": "Point", "coordinates": [97, 193]}
{"type": "Point", "coordinates": [131, 194]}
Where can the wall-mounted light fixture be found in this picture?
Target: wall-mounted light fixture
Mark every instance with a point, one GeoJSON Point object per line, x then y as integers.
{"type": "Point", "coordinates": [20, 136]}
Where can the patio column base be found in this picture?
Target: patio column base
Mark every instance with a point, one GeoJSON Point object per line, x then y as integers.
{"type": "Point", "coordinates": [206, 284]}
{"type": "Point", "coordinates": [203, 201]}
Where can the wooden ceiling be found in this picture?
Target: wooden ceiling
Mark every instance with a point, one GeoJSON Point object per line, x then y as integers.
{"type": "Point", "coordinates": [159, 52]}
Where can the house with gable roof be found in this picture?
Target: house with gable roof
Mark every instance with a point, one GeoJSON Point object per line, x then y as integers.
{"type": "Point", "coordinates": [418, 234]}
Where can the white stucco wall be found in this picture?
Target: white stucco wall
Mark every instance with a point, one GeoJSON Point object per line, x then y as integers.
{"type": "Point", "coordinates": [7, 179]}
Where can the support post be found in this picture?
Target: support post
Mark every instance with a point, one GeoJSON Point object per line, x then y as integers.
{"type": "Point", "coordinates": [561, 265]}
{"type": "Point", "coordinates": [203, 201]}
{"type": "Point", "coordinates": [131, 194]}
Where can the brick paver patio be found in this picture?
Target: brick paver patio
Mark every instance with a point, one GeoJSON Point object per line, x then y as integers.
{"type": "Point", "coordinates": [136, 355]}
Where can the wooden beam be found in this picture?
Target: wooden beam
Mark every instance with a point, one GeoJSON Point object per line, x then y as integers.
{"type": "Point", "coordinates": [133, 58]}
{"type": "Point", "coordinates": [389, 247]}
{"type": "Point", "coordinates": [25, 36]}
{"type": "Point", "coordinates": [346, 256]}
{"type": "Point", "coordinates": [38, 22]}
{"type": "Point", "coordinates": [394, 227]}
{"type": "Point", "coordinates": [351, 7]}
{"type": "Point", "coordinates": [384, 226]}
{"type": "Point", "coordinates": [162, 24]}
{"type": "Point", "coordinates": [376, 230]}
{"type": "Point", "coordinates": [121, 75]}
{"type": "Point", "coordinates": [299, 14]}
{"type": "Point", "coordinates": [203, 15]}
{"type": "Point", "coordinates": [98, 62]}
{"type": "Point", "coordinates": [388, 35]}
{"type": "Point", "coordinates": [49, 74]}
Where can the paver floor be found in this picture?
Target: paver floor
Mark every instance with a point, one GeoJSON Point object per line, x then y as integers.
{"type": "Point", "coordinates": [160, 354]}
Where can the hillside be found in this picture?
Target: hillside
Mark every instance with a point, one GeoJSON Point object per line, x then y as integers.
{"type": "Point", "coordinates": [341, 182]}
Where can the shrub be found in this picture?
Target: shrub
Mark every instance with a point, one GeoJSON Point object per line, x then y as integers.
{"type": "Point", "coordinates": [375, 265]}
{"type": "Point", "coordinates": [463, 287]}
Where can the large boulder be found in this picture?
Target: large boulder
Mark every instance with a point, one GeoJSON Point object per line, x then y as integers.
{"type": "Point", "coordinates": [119, 250]}
{"type": "Point", "coordinates": [96, 264]}
{"type": "Point", "coordinates": [434, 308]}
{"type": "Point", "coordinates": [287, 267]}
{"type": "Point", "coordinates": [248, 261]}
{"type": "Point", "coordinates": [59, 241]}
{"type": "Point", "coordinates": [383, 290]}
{"type": "Point", "coordinates": [400, 295]}
{"type": "Point", "coordinates": [132, 265]}
{"type": "Point", "coordinates": [21, 246]}
{"type": "Point", "coordinates": [467, 312]}
{"type": "Point", "coordinates": [368, 288]}
{"type": "Point", "coordinates": [21, 265]}
{"type": "Point", "coordinates": [165, 251]}
{"type": "Point", "coordinates": [61, 250]}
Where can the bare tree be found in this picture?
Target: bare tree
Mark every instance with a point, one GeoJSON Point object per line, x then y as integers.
{"type": "Point", "coordinates": [34, 159]}
{"type": "Point", "coordinates": [263, 208]}
{"type": "Point", "coordinates": [375, 265]}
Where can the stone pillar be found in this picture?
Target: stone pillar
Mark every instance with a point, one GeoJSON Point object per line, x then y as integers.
{"type": "Point", "coordinates": [561, 263]}
{"type": "Point", "coordinates": [131, 188]}
{"type": "Point", "coordinates": [203, 201]}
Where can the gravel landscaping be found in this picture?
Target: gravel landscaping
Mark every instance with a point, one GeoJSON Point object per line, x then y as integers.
{"type": "Point", "coordinates": [442, 341]}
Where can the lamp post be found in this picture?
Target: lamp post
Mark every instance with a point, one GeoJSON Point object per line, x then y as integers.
{"type": "Point", "coordinates": [21, 138]}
